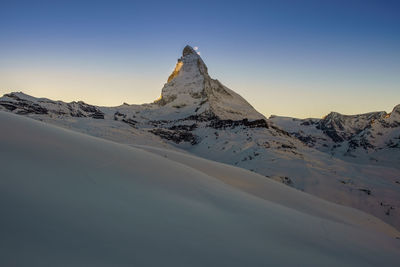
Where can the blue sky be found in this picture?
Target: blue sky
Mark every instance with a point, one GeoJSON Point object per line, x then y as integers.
{"type": "Point", "coordinates": [292, 58]}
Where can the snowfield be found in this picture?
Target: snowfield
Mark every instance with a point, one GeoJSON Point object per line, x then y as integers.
{"type": "Point", "coordinates": [69, 199]}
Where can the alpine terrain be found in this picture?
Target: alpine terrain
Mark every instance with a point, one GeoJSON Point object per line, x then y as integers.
{"type": "Point", "coordinates": [349, 160]}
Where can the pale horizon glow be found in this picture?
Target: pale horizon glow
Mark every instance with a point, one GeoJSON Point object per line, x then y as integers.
{"type": "Point", "coordinates": [288, 59]}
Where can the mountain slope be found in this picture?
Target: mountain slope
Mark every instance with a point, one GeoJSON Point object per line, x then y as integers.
{"type": "Point", "coordinates": [80, 200]}
{"type": "Point", "coordinates": [192, 90]}
{"type": "Point", "coordinates": [372, 138]}
{"type": "Point", "coordinates": [199, 115]}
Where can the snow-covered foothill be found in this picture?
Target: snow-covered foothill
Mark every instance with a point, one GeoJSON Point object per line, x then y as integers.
{"type": "Point", "coordinates": [69, 199]}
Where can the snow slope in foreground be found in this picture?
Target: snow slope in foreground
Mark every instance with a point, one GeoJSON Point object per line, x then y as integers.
{"type": "Point", "coordinates": [71, 199]}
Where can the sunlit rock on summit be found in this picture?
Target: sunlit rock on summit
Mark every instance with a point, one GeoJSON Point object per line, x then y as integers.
{"type": "Point", "coordinates": [191, 88]}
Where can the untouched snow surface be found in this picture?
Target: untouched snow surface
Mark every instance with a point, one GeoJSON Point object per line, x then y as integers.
{"type": "Point", "coordinates": [71, 199]}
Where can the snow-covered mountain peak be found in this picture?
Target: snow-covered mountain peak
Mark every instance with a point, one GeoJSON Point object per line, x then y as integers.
{"type": "Point", "coordinates": [341, 127]}
{"type": "Point", "coordinates": [188, 50]}
{"type": "Point", "coordinates": [190, 64]}
{"type": "Point", "coordinates": [190, 89]}
{"type": "Point", "coordinates": [186, 82]}
{"type": "Point", "coordinates": [395, 114]}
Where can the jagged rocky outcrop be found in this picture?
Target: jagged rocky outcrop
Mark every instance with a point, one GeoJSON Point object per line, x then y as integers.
{"type": "Point", "coordinates": [14, 103]}
{"type": "Point", "coordinates": [363, 137]}
{"type": "Point", "coordinates": [343, 127]}
{"type": "Point", "coordinates": [191, 90]}
{"type": "Point", "coordinates": [21, 103]}
{"type": "Point", "coordinates": [176, 135]}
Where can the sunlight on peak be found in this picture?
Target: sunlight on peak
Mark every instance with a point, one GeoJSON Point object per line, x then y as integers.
{"type": "Point", "coordinates": [176, 71]}
{"type": "Point", "coordinates": [158, 99]}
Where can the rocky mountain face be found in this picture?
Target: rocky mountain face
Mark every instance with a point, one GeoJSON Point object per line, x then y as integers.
{"type": "Point", "coordinates": [371, 138]}
{"type": "Point", "coordinates": [23, 104]}
{"type": "Point", "coordinates": [191, 90]}
{"type": "Point", "coordinates": [199, 115]}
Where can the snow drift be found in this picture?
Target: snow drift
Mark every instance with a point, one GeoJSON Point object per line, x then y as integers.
{"type": "Point", "coordinates": [71, 199]}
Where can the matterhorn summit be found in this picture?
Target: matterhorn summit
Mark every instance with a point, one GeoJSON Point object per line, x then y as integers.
{"type": "Point", "coordinates": [191, 90]}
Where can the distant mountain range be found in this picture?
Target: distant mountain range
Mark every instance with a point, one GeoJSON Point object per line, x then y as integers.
{"type": "Point", "coordinates": [350, 160]}
{"type": "Point", "coordinates": [371, 138]}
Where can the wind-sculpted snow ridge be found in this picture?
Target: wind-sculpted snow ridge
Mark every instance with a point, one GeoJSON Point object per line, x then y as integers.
{"type": "Point", "coordinates": [72, 199]}
{"type": "Point", "coordinates": [350, 160]}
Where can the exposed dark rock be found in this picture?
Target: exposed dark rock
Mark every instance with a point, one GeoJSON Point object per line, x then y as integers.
{"type": "Point", "coordinates": [354, 143]}
{"type": "Point", "coordinates": [9, 106]}
{"type": "Point", "coordinates": [184, 127]}
{"type": "Point", "coordinates": [332, 134]}
{"type": "Point", "coordinates": [308, 122]}
{"type": "Point", "coordinates": [288, 146]}
{"type": "Point", "coordinates": [333, 124]}
{"type": "Point", "coordinates": [365, 190]}
{"type": "Point", "coordinates": [130, 122]}
{"type": "Point", "coordinates": [266, 145]}
{"type": "Point", "coordinates": [348, 181]}
{"type": "Point", "coordinates": [93, 111]}
{"type": "Point", "coordinates": [283, 179]}
{"type": "Point", "coordinates": [118, 115]}
{"type": "Point", "coordinates": [222, 124]}
{"type": "Point", "coordinates": [392, 144]}
{"type": "Point", "coordinates": [24, 107]}
{"type": "Point", "coordinates": [308, 140]}
{"type": "Point", "coordinates": [87, 108]}
{"type": "Point", "coordinates": [279, 130]}
{"type": "Point", "coordinates": [287, 181]}
{"type": "Point", "coordinates": [188, 50]}
{"type": "Point", "coordinates": [388, 208]}
{"type": "Point", "coordinates": [176, 136]}
{"type": "Point", "coordinates": [76, 113]}
{"type": "Point", "coordinates": [97, 115]}
{"type": "Point", "coordinates": [179, 106]}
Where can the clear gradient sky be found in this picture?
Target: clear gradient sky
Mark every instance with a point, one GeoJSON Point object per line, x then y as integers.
{"type": "Point", "coordinates": [291, 58]}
